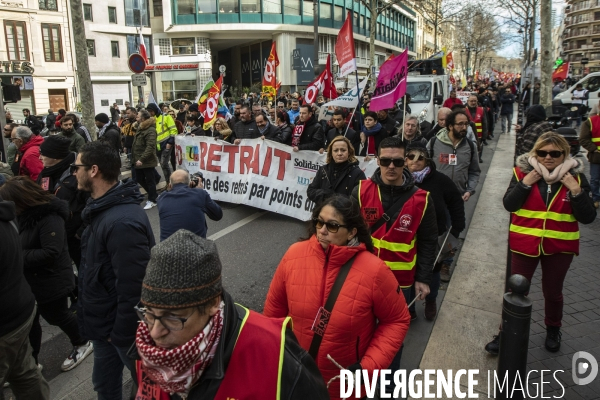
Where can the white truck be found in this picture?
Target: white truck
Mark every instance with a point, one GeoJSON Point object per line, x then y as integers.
{"type": "Point", "coordinates": [590, 82]}
{"type": "Point", "coordinates": [428, 87]}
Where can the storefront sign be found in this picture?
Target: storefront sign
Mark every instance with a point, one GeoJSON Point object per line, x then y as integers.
{"type": "Point", "coordinates": [16, 67]}
{"type": "Point", "coordinates": [171, 67]}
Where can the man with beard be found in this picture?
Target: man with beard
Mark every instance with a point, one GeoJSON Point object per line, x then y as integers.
{"type": "Point", "coordinates": [32, 122]}
{"type": "Point", "coordinates": [245, 128]}
{"type": "Point", "coordinates": [455, 155]}
{"type": "Point", "coordinates": [115, 249]}
{"type": "Point", "coordinates": [388, 124]}
{"type": "Point", "coordinates": [266, 129]}
{"type": "Point", "coordinates": [339, 129]}
{"type": "Point", "coordinates": [308, 133]}
{"type": "Point", "coordinates": [80, 128]}
{"type": "Point", "coordinates": [67, 130]}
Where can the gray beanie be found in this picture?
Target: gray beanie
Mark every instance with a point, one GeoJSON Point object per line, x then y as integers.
{"type": "Point", "coordinates": [184, 271]}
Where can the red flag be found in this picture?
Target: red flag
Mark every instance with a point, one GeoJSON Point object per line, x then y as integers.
{"type": "Point", "coordinates": [211, 103]}
{"type": "Point", "coordinates": [324, 82]}
{"type": "Point", "coordinates": [142, 50]}
{"type": "Point", "coordinates": [561, 72]}
{"type": "Point", "coordinates": [269, 83]}
{"type": "Point", "coordinates": [450, 62]}
{"type": "Point", "coordinates": [344, 48]}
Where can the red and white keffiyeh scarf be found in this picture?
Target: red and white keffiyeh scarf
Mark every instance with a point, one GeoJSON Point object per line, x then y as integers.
{"type": "Point", "coordinates": [177, 370]}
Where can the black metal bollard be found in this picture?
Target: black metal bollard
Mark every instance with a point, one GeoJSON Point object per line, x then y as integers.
{"type": "Point", "coordinates": [514, 337]}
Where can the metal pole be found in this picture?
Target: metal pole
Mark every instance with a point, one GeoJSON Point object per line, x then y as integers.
{"type": "Point", "coordinates": [316, 34]}
{"type": "Point", "coordinates": [3, 122]}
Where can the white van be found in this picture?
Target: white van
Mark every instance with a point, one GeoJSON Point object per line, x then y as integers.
{"type": "Point", "coordinates": [427, 94]}
{"type": "Point", "coordinates": [590, 82]}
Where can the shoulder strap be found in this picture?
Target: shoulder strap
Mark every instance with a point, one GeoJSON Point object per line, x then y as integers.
{"type": "Point", "coordinates": [326, 312]}
{"type": "Point", "coordinates": [393, 210]}
{"type": "Point", "coordinates": [471, 145]}
{"type": "Point", "coordinates": [432, 141]}
{"type": "Point", "coordinates": [12, 222]}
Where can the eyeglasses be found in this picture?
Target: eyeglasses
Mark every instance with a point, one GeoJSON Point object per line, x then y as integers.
{"type": "Point", "coordinates": [553, 153]}
{"type": "Point", "coordinates": [385, 162]}
{"type": "Point", "coordinates": [75, 167]}
{"type": "Point", "coordinates": [411, 157]}
{"type": "Point", "coordinates": [168, 321]}
{"type": "Point", "coordinates": [331, 226]}
{"type": "Point", "coordinates": [12, 139]}
{"type": "Point", "coordinates": [462, 124]}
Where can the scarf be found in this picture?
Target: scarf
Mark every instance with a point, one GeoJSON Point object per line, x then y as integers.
{"type": "Point", "coordinates": [177, 370]}
{"type": "Point", "coordinates": [370, 133]}
{"type": "Point", "coordinates": [103, 129]}
{"type": "Point", "coordinates": [420, 175]}
{"type": "Point", "coordinates": [263, 129]}
{"type": "Point", "coordinates": [297, 134]}
{"type": "Point", "coordinates": [558, 172]}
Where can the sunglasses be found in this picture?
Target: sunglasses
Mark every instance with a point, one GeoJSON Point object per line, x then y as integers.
{"type": "Point", "coordinates": [553, 153]}
{"type": "Point", "coordinates": [385, 162]}
{"type": "Point", "coordinates": [411, 157]}
{"type": "Point", "coordinates": [331, 226]}
{"type": "Point", "coordinates": [75, 167]}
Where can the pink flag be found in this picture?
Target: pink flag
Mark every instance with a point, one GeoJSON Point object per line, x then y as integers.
{"type": "Point", "coordinates": [391, 83]}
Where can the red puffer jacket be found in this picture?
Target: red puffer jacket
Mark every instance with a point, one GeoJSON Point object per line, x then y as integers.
{"type": "Point", "coordinates": [370, 312]}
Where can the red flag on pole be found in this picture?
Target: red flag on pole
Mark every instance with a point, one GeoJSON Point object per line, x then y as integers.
{"type": "Point", "coordinates": [211, 103]}
{"type": "Point", "coordinates": [324, 83]}
{"type": "Point", "coordinates": [344, 48]}
{"type": "Point", "coordinates": [269, 83]}
{"type": "Point", "coordinates": [142, 50]}
{"type": "Point", "coordinates": [561, 72]}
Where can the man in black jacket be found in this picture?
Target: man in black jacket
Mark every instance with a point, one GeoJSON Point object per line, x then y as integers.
{"type": "Point", "coordinates": [108, 131]}
{"type": "Point", "coordinates": [266, 129]}
{"type": "Point", "coordinates": [339, 128]}
{"type": "Point", "coordinates": [183, 288]}
{"type": "Point", "coordinates": [32, 122]}
{"type": "Point", "coordinates": [308, 133]}
{"type": "Point", "coordinates": [115, 249]}
{"type": "Point", "coordinates": [245, 128]}
{"type": "Point", "coordinates": [50, 120]}
{"type": "Point", "coordinates": [17, 311]}
{"type": "Point", "coordinates": [388, 124]}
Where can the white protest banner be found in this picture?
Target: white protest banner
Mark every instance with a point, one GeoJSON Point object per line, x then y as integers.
{"type": "Point", "coordinates": [464, 96]}
{"type": "Point", "coordinates": [350, 98]}
{"type": "Point", "coordinates": [258, 173]}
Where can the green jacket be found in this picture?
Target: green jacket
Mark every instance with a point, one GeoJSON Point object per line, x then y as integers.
{"type": "Point", "coordinates": [76, 140]}
{"type": "Point", "coordinates": [144, 144]}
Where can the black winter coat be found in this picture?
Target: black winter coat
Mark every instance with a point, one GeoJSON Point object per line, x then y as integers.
{"type": "Point", "coordinates": [312, 137]}
{"type": "Point", "coordinates": [379, 136]}
{"type": "Point", "coordinates": [112, 136]}
{"type": "Point", "coordinates": [300, 376]}
{"type": "Point", "coordinates": [16, 299]}
{"type": "Point", "coordinates": [427, 233]}
{"type": "Point", "coordinates": [445, 196]}
{"type": "Point", "coordinates": [245, 130]}
{"type": "Point", "coordinates": [46, 259]}
{"type": "Point", "coordinates": [285, 135]}
{"type": "Point", "coordinates": [351, 135]}
{"type": "Point", "coordinates": [115, 249]}
{"type": "Point", "coordinates": [335, 178]}
{"type": "Point", "coordinates": [49, 178]}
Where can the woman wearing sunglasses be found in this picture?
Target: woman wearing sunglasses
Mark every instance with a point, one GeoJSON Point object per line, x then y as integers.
{"type": "Point", "coordinates": [221, 130]}
{"type": "Point", "coordinates": [548, 196]}
{"type": "Point", "coordinates": [449, 208]}
{"type": "Point", "coordinates": [369, 319]}
{"type": "Point", "coordinates": [340, 173]}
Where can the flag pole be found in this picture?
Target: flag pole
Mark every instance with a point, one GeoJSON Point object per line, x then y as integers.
{"type": "Point", "coordinates": [354, 111]}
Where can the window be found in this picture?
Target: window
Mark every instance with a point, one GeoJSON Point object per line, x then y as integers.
{"type": "Point", "coordinates": [172, 90]}
{"type": "Point", "coordinates": [307, 8]}
{"type": "Point", "coordinates": [207, 7]}
{"type": "Point", "coordinates": [87, 12]}
{"type": "Point", "coordinates": [229, 6]}
{"type": "Point", "coordinates": [114, 48]}
{"type": "Point", "coordinates": [133, 42]}
{"type": "Point", "coordinates": [272, 6]}
{"type": "Point", "coordinates": [186, 7]}
{"type": "Point", "coordinates": [325, 11]}
{"type": "Point", "coordinates": [112, 15]}
{"type": "Point", "coordinates": [157, 6]}
{"type": "Point", "coordinates": [52, 42]}
{"type": "Point", "coordinates": [91, 47]}
{"type": "Point", "coordinates": [164, 46]}
{"type": "Point", "coordinates": [49, 5]}
{"type": "Point", "coordinates": [338, 13]}
{"type": "Point", "coordinates": [292, 7]}
{"type": "Point", "coordinates": [250, 6]}
{"type": "Point", "coordinates": [16, 40]}
{"type": "Point", "coordinates": [136, 13]}
{"type": "Point", "coordinates": [183, 46]}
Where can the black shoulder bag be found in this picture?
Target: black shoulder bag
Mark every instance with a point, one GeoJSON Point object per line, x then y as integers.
{"type": "Point", "coordinates": [322, 318]}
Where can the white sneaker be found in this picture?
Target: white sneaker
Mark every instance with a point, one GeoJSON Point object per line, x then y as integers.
{"type": "Point", "coordinates": [149, 205]}
{"type": "Point", "coordinates": [77, 356]}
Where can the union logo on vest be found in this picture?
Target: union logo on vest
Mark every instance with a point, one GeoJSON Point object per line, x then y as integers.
{"type": "Point", "coordinates": [405, 222]}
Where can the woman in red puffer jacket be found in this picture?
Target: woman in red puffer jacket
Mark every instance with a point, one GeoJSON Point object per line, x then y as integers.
{"type": "Point", "coordinates": [369, 320]}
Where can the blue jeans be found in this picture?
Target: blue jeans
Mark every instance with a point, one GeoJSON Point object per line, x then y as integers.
{"type": "Point", "coordinates": [107, 375]}
{"type": "Point", "coordinates": [595, 181]}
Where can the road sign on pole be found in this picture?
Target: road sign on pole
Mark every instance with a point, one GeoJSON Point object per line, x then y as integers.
{"type": "Point", "coordinates": [139, 80]}
{"type": "Point", "coordinates": [136, 63]}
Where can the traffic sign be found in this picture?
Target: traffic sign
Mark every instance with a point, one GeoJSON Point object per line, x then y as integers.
{"type": "Point", "coordinates": [139, 80]}
{"type": "Point", "coordinates": [585, 60]}
{"type": "Point", "coordinates": [136, 63]}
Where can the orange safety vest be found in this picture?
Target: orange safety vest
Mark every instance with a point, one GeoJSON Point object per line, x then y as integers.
{"type": "Point", "coordinates": [396, 246]}
{"type": "Point", "coordinates": [478, 120]}
{"type": "Point", "coordinates": [595, 130]}
{"type": "Point", "coordinates": [259, 338]}
{"type": "Point", "coordinates": [538, 229]}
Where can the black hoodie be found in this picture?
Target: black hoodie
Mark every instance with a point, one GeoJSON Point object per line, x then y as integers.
{"type": "Point", "coordinates": [312, 137]}
{"type": "Point", "coordinates": [49, 178]}
{"type": "Point", "coordinates": [115, 249]}
{"type": "Point", "coordinates": [427, 233]}
{"type": "Point", "coordinates": [16, 298]}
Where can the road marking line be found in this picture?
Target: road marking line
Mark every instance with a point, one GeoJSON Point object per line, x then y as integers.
{"type": "Point", "coordinates": [237, 225]}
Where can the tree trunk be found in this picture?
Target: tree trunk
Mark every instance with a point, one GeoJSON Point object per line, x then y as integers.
{"type": "Point", "coordinates": [86, 92]}
{"type": "Point", "coordinates": [373, 32]}
{"type": "Point", "coordinates": [546, 57]}
{"type": "Point", "coordinates": [435, 27]}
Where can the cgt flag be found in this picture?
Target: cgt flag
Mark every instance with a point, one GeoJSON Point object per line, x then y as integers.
{"type": "Point", "coordinates": [450, 62]}
{"type": "Point", "coordinates": [344, 48]}
{"type": "Point", "coordinates": [561, 72]}
{"type": "Point", "coordinates": [324, 83]}
{"type": "Point", "coordinates": [209, 102]}
{"type": "Point", "coordinates": [269, 83]}
{"type": "Point", "coordinates": [391, 83]}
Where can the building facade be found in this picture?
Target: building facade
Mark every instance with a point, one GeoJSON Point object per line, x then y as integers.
{"type": "Point", "coordinates": [36, 52]}
{"type": "Point", "coordinates": [581, 35]}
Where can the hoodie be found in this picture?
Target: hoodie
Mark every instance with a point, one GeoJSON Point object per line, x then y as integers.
{"type": "Point", "coordinates": [465, 174]}
{"type": "Point", "coordinates": [29, 158]}
{"type": "Point", "coordinates": [427, 233]}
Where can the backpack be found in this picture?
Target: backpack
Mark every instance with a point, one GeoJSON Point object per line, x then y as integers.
{"type": "Point", "coordinates": [434, 138]}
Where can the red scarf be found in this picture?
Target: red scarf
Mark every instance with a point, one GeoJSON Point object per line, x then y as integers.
{"type": "Point", "coordinates": [177, 370]}
{"type": "Point", "coordinates": [297, 134]}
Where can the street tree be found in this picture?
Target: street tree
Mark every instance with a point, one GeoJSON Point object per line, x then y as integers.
{"type": "Point", "coordinates": [438, 13]}
{"type": "Point", "coordinates": [86, 92]}
{"type": "Point", "coordinates": [517, 16]}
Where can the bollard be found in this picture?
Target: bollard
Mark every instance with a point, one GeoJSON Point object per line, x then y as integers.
{"type": "Point", "coordinates": [514, 338]}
